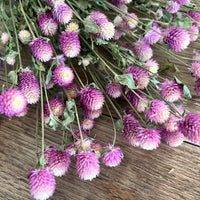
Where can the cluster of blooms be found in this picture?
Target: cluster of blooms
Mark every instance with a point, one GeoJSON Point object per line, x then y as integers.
{"type": "Point", "coordinates": [152, 113]}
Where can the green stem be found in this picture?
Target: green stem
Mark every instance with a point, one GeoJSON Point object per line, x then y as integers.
{"type": "Point", "coordinates": [36, 129]}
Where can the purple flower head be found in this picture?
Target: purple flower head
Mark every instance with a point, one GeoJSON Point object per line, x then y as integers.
{"type": "Point", "coordinates": [195, 16]}
{"type": "Point", "coordinates": [195, 69]}
{"type": "Point", "coordinates": [87, 124]}
{"type": "Point", "coordinates": [114, 89]}
{"type": "Point", "coordinates": [92, 114]}
{"type": "Point", "coordinates": [194, 31]}
{"type": "Point", "coordinates": [152, 66]}
{"type": "Point", "coordinates": [198, 86]}
{"type": "Point", "coordinates": [72, 90]}
{"type": "Point", "coordinates": [172, 7]}
{"type": "Point", "coordinates": [182, 2]}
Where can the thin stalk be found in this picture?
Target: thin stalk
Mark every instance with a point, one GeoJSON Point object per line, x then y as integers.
{"type": "Point", "coordinates": [139, 97]}
{"type": "Point", "coordinates": [36, 129]}
{"type": "Point", "coordinates": [6, 74]}
{"type": "Point", "coordinates": [40, 4]}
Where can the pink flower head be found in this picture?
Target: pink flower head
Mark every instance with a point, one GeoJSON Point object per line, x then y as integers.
{"type": "Point", "coordinates": [47, 24]}
{"type": "Point", "coordinates": [24, 36]}
{"type": "Point", "coordinates": [198, 86]}
{"type": "Point", "coordinates": [12, 102]}
{"type": "Point", "coordinates": [77, 133]}
{"type": "Point", "coordinates": [173, 139]}
{"type": "Point", "coordinates": [142, 50]}
{"type": "Point", "coordinates": [195, 16]}
{"type": "Point", "coordinates": [92, 114]}
{"type": "Point", "coordinates": [92, 98]}
{"type": "Point", "coordinates": [97, 148]}
{"type": "Point", "coordinates": [87, 165]}
{"type": "Point", "coordinates": [152, 66]}
{"type": "Point", "coordinates": [182, 2]}
{"type": "Point", "coordinates": [95, 15]}
{"type": "Point", "coordinates": [59, 162]}
{"type": "Point", "coordinates": [139, 104]}
{"type": "Point", "coordinates": [195, 69]}
{"type": "Point", "coordinates": [171, 90]}
{"type": "Point", "coordinates": [4, 37]}
{"type": "Point", "coordinates": [194, 31]}
{"type": "Point", "coordinates": [10, 60]}
{"type": "Point", "coordinates": [119, 2]}
{"type": "Point", "coordinates": [42, 183]}
{"type": "Point", "coordinates": [158, 112]}
{"type": "Point", "coordinates": [83, 145]}
{"type": "Point", "coordinates": [140, 76]}
{"type": "Point", "coordinates": [70, 44]}
{"type": "Point", "coordinates": [72, 90]}
{"type": "Point", "coordinates": [178, 39]}
{"type": "Point", "coordinates": [29, 85]}
{"type": "Point", "coordinates": [113, 157]}
{"type": "Point", "coordinates": [148, 138]}
{"type": "Point", "coordinates": [154, 35]}
{"type": "Point", "coordinates": [190, 127]}
{"type": "Point", "coordinates": [71, 149]}
{"type": "Point", "coordinates": [41, 49]}
{"type": "Point", "coordinates": [131, 21]}
{"type": "Point", "coordinates": [63, 75]}
{"type": "Point", "coordinates": [63, 13]}
{"type": "Point", "coordinates": [87, 124]}
{"type": "Point", "coordinates": [114, 89]}
{"type": "Point", "coordinates": [172, 7]}
{"type": "Point", "coordinates": [52, 3]}
{"type": "Point", "coordinates": [47, 154]}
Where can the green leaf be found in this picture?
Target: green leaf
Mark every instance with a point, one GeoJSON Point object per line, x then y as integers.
{"type": "Point", "coordinates": [105, 151]}
{"type": "Point", "coordinates": [119, 124]}
{"type": "Point", "coordinates": [68, 113]}
{"type": "Point", "coordinates": [126, 79]}
{"type": "Point", "coordinates": [40, 67]}
{"type": "Point", "coordinates": [90, 26]}
{"type": "Point", "coordinates": [83, 4]}
{"type": "Point", "coordinates": [183, 22]}
{"type": "Point", "coordinates": [13, 77]}
{"type": "Point", "coordinates": [48, 76]}
{"type": "Point", "coordinates": [99, 41]}
{"type": "Point", "coordinates": [168, 66]}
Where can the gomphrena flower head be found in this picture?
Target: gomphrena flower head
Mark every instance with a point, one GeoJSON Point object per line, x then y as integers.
{"type": "Point", "coordinates": [4, 37]}
{"type": "Point", "coordinates": [96, 15]}
{"type": "Point", "coordinates": [139, 104]}
{"type": "Point", "coordinates": [158, 112]}
{"type": "Point", "coordinates": [171, 90]}
{"type": "Point", "coordinates": [182, 2]}
{"type": "Point", "coordinates": [24, 36]}
{"type": "Point", "coordinates": [195, 16]}
{"type": "Point", "coordinates": [63, 13]}
{"type": "Point", "coordinates": [194, 31]}
{"type": "Point", "coordinates": [73, 26]}
{"type": "Point", "coordinates": [29, 85]}
{"type": "Point", "coordinates": [12, 102]}
{"type": "Point", "coordinates": [70, 44]}
{"type": "Point", "coordinates": [47, 24]}
{"type": "Point", "coordinates": [114, 89]}
{"type": "Point", "coordinates": [59, 162]}
{"type": "Point", "coordinates": [92, 114]}
{"type": "Point", "coordinates": [10, 60]}
{"type": "Point", "coordinates": [154, 35]}
{"type": "Point", "coordinates": [41, 49]}
{"type": "Point", "coordinates": [131, 21]}
{"type": "Point", "coordinates": [95, 146]}
{"type": "Point", "coordinates": [77, 133]}
{"type": "Point", "coordinates": [47, 154]}
{"type": "Point", "coordinates": [173, 139]}
{"type": "Point", "coordinates": [142, 50]}
{"type": "Point", "coordinates": [63, 75]}
{"type": "Point", "coordinates": [87, 124]}
{"type": "Point", "coordinates": [92, 98]}
{"type": "Point", "coordinates": [172, 7]}
{"type": "Point", "coordinates": [72, 90]}
{"type": "Point", "coordinates": [197, 86]}
{"type": "Point", "coordinates": [190, 127]}
{"type": "Point", "coordinates": [112, 157]}
{"type": "Point", "coordinates": [178, 39]}
{"type": "Point", "coordinates": [140, 76]}
{"type": "Point", "coordinates": [152, 66]}
{"type": "Point", "coordinates": [52, 3]}
{"type": "Point", "coordinates": [119, 23]}
{"type": "Point", "coordinates": [195, 69]}
{"type": "Point", "coordinates": [118, 2]}
{"type": "Point", "coordinates": [42, 183]}
{"type": "Point", "coordinates": [87, 165]}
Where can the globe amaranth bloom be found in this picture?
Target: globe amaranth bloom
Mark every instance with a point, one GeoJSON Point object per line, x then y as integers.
{"type": "Point", "coordinates": [114, 89]}
{"type": "Point", "coordinates": [152, 66]}
{"type": "Point", "coordinates": [194, 31]}
{"type": "Point", "coordinates": [182, 2]}
{"type": "Point", "coordinates": [92, 114]}
{"type": "Point", "coordinates": [87, 124]}
{"type": "Point", "coordinates": [197, 86]}
{"type": "Point", "coordinates": [52, 3]}
{"type": "Point", "coordinates": [195, 16]}
{"type": "Point", "coordinates": [24, 36]}
{"type": "Point", "coordinates": [172, 7]}
{"type": "Point", "coordinates": [195, 69]}
{"type": "Point", "coordinates": [10, 60]}
{"type": "Point", "coordinates": [5, 37]}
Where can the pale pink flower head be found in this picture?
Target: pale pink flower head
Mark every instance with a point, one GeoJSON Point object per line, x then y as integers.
{"type": "Point", "coordinates": [83, 145]}
{"type": "Point", "coordinates": [178, 39]}
{"type": "Point", "coordinates": [87, 165]}
{"type": "Point", "coordinates": [92, 98]}
{"type": "Point", "coordinates": [12, 102]}
{"type": "Point", "coordinates": [140, 76]}
{"type": "Point", "coordinates": [172, 7]}
{"type": "Point", "coordinates": [114, 89]}
{"type": "Point", "coordinates": [28, 83]}
{"type": "Point", "coordinates": [52, 3]}
{"type": "Point", "coordinates": [10, 60]}
{"type": "Point", "coordinates": [4, 37]}
{"type": "Point", "coordinates": [70, 44]}
{"type": "Point", "coordinates": [173, 139]}
{"type": "Point", "coordinates": [24, 36]}
{"type": "Point", "coordinates": [195, 16]}
{"type": "Point", "coordinates": [182, 2]}
{"type": "Point", "coordinates": [131, 21]}
{"type": "Point", "coordinates": [73, 26]}
{"type": "Point", "coordinates": [42, 183]}
{"type": "Point", "coordinates": [142, 50]}
{"type": "Point", "coordinates": [158, 112]}
{"type": "Point", "coordinates": [72, 90]}
{"type": "Point", "coordinates": [152, 66]}
{"type": "Point", "coordinates": [194, 31]}
{"type": "Point", "coordinates": [190, 127]}
{"type": "Point", "coordinates": [195, 69]}
{"type": "Point", "coordinates": [118, 2]}
{"type": "Point", "coordinates": [148, 138]}
{"type": "Point", "coordinates": [63, 75]}
{"type": "Point", "coordinates": [59, 162]}
{"type": "Point", "coordinates": [197, 86]}
{"type": "Point", "coordinates": [41, 49]}
{"type": "Point", "coordinates": [97, 148]}
{"type": "Point", "coordinates": [87, 124]}
{"type": "Point", "coordinates": [47, 24]}
{"type": "Point", "coordinates": [92, 114]}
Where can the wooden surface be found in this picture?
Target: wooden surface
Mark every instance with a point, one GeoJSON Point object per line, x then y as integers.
{"type": "Point", "coordinates": [163, 174]}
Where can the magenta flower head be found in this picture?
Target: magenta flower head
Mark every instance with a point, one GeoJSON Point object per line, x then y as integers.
{"type": "Point", "coordinates": [171, 90]}
{"type": "Point", "coordinates": [63, 75]}
{"type": "Point", "coordinates": [114, 89]}
{"type": "Point", "coordinates": [194, 31]}
{"type": "Point", "coordinates": [92, 114]}
{"type": "Point", "coordinates": [4, 37]}
{"type": "Point", "coordinates": [148, 138]}
{"type": "Point", "coordinates": [42, 183]}
{"type": "Point", "coordinates": [153, 36]}
{"type": "Point", "coordinates": [118, 2]}
{"type": "Point", "coordinates": [70, 44]}
{"type": "Point", "coordinates": [172, 7]}
{"type": "Point", "coordinates": [92, 98]}
{"type": "Point", "coordinates": [178, 39]}
{"type": "Point", "coordinates": [190, 127]}
{"type": "Point", "coordinates": [140, 76]}
{"type": "Point", "coordinates": [158, 112]}
{"type": "Point", "coordinates": [195, 16]}
{"type": "Point", "coordinates": [112, 156]}
{"type": "Point", "coordinates": [41, 49]}
{"type": "Point", "coordinates": [131, 21]}
{"type": "Point", "coordinates": [195, 69]}
{"type": "Point", "coordinates": [72, 90]}
{"type": "Point", "coordinates": [59, 162]}
{"type": "Point", "coordinates": [87, 165]}
{"type": "Point", "coordinates": [24, 36]}
{"type": "Point", "coordinates": [29, 85]}
{"type": "Point", "coordinates": [12, 102]}
{"type": "Point", "coordinates": [152, 66]}
{"type": "Point", "coordinates": [198, 86]}
{"type": "Point", "coordinates": [63, 13]}
{"type": "Point", "coordinates": [182, 2]}
{"type": "Point", "coordinates": [142, 50]}
{"type": "Point", "coordinates": [52, 3]}
{"type": "Point", "coordinates": [173, 139]}
{"type": "Point", "coordinates": [87, 124]}
{"type": "Point", "coordinates": [47, 24]}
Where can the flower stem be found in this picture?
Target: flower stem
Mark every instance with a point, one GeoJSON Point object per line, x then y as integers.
{"type": "Point", "coordinates": [36, 129]}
